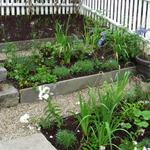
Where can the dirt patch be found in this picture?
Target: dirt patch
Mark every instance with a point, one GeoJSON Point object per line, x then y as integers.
{"type": "Point", "coordinates": [17, 28]}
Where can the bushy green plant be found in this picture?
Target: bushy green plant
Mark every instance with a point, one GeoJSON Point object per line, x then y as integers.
{"type": "Point", "coordinates": [110, 64]}
{"type": "Point", "coordinates": [83, 66]}
{"type": "Point", "coordinates": [43, 76]}
{"type": "Point", "coordinates": [134, 114]}
{"type": "Point", "coordinates": [46, 49]}
{"type": "Point", "coordinates": [61, 72]}
{"type": "Point", "coordinates": [66, 138]}
{"type": "Point", "coordinates": [124, 45]}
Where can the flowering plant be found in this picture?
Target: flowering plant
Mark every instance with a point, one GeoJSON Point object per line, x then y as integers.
{"type": "Point", "coordinates": [51, 111]}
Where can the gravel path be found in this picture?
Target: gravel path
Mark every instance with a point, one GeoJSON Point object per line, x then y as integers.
{"type": "Point", "coordinates": [10, 126]}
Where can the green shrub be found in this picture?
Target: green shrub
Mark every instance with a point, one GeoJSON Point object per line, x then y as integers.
{"type": "Point", "coordinates": [46, 49]}
{"type": "Point", "coordinates": [61, 72]}
{"type": "Point", "coordinates": [110, 64]}
{"type": "Point", "coordinates": [43, 76]}
{"type": "Point", "coordinates": [83, 66]}
{"type": "Point", "coordinates": [66, 138]}
{"type": "Point", "coordinates": [124, 45]}
{"type": "Point", "coordinates": [98, 65]}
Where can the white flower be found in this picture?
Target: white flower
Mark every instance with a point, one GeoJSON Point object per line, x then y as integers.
{"type": "Point", "coordinates": [144, 148]}
{"type": "Point", "coordinates": [50, 136]}
{"type": "Point", "coordinates": [44, 92]}
{"type": "Point", "coordinates": [24, 118]}
{"type": "Point", "coordinates": [102, 148]}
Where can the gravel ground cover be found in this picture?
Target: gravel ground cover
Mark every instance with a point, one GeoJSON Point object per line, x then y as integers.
{"type": "Point", "coordinates": [11, 127]}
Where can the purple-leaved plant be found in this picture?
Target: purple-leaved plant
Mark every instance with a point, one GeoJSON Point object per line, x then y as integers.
{"type": "Point", "coordinates": [101, 41]}
{"type": "Point", "coordinates": [142, 31]}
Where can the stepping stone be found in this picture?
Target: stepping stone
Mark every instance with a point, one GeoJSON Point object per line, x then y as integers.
{"type": "Point", "coordinates": [33, 142]}
{"type": "Point", "coordinates": [9, 95]}
{"type": "Point", "coordinates": [3, 74]}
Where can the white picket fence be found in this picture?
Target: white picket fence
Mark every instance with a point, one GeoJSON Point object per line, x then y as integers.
{"type": "Point", "coordinates": [131, 14]}
{"type": "Point", "coordinates": [37, 7]}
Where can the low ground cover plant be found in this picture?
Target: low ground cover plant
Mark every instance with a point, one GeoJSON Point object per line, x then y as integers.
{"type": "Point", "coordinates": [110, 118]}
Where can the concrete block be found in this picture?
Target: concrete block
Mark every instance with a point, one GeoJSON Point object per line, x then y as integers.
{"type": "Point", "coordinates": [72, 85]}
{"type": "Point", "coordinates": [32, 142]}
{"type": "Point", "coordinates": [9, 95]}
{"type": "Point", "coordinates": [3, 74]}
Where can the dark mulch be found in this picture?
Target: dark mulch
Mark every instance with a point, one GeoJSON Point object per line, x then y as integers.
{"type": "Point", "coordinates": [16, 28]}
{"type": "Point", "coordinates": [70, 123]}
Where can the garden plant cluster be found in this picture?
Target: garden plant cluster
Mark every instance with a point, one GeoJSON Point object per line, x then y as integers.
{"type": "Point", "coordinates": [115, 117]}
{"type": "Point", "coordinates": [98, 50]}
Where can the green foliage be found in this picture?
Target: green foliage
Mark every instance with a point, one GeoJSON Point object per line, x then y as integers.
{"type": "Point", "coordinates": [43, 76]}
{"type": "Point", "coordinates": [97, 118]}
{"type": "Point", "coordinates": [61, 72]}
{"type": "Point", "coordinates": [63, 49]}
{"type": "Point", "coordinates": [83, 66]}
{"type": "Point", "coordinates": [125, 45]}
{"type": "Point", "coordinates": [10, 49]}
{"type": "Point", "coordinates": [51, 116]}
{"type": "Point", "coordinates": [66, 138]}
{"type": "Point", "coordinates": [110, 64]}
{"type": "Point", "coordinates": [98, 65]}
{"type": "Point", "coordinates": [46, 49]}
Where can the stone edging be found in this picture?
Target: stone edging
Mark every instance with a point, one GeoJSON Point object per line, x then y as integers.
{"type": "Point", "coordinates": [26, 44]}
{"type": "Point", "coordinates": [67, 86]}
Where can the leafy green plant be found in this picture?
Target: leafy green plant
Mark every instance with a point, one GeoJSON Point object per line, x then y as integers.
{"type": "Point", "coordinates": [43, 76]}
{"type": "Point", "coordinates": [61, 72]}
{"type": "Point", "coordinates": [66, 138]}
{"type": "Point", "coordinates": [84, 116]}
{"type": "Point", "coordinates": [124, 45]}
{"type": "Point", "coordinates": [85, 67]}
{"type": "Point", "coordinates": [63, 49]}
{"type": "Point", "coordinates": [98, 115]}
{"type": "Point", "coordinates": [51, 116]}
{"type": "Point", "coordinates": [46, 49]}
{"type": "Point", "coordinates": [110, 64]}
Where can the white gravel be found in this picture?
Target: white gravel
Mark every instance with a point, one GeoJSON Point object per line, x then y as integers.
{"type": "Point", "coordinates": [11, 127]}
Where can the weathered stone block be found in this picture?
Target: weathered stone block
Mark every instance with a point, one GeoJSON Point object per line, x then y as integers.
{"type": "Point", "coordinates": [3, 74]}
{"type": "Point", "coordinates": [9, 96]}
